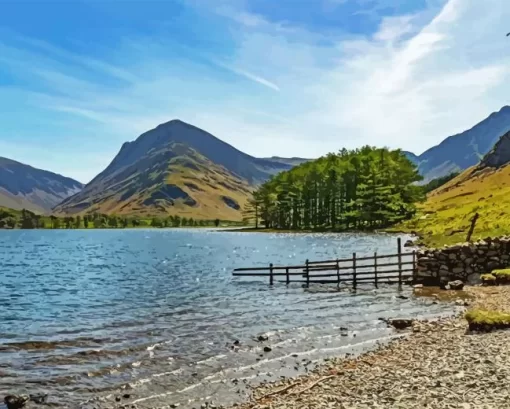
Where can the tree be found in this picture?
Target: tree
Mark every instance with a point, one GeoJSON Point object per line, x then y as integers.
{"type": "Point", "coordinates": [217, 222]}
{"type": "Point", "coordinates": [86, 222]}
{"type": "Point", "coordinates": [113, 221]}
{"type": "Point", "coordinates": [77, 223]}
{"type": "Point", "coordinates": [177, 221]}
{"type": "Point", "coordinates": [8, 222]}
{"type": "Point", "coordinates": [27, 220]}
{"type": "Point", "coordinates": [156, 222]}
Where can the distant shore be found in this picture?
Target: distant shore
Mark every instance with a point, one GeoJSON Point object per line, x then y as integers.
{"type": "Point", "coordinates": [439, 365]}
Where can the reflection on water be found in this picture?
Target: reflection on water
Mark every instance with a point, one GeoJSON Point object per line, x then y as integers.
{"type": "Point", "coordinates": [88, 314]}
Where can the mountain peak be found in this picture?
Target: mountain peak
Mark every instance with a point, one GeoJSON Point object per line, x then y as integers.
{"type": "Point", "coordinates": [499, 155]}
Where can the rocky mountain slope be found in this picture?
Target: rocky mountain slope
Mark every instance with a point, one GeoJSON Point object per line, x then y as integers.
{"type": "Point", "coordinates": [175, 168]}
{"type": "Point", "coordinates": [484, 189]}
{"type": "Point", "coordinates": [459, 152]}
{"type": "Point", "coordinates": [25, 187]}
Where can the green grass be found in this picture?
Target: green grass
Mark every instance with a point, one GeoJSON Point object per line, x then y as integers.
{"type": "Point", "coordinates": [446, 215]}
{"type": "Point", "coordinates": [487, 320]}
{"type": "Point", "coordinates": [502, 276]}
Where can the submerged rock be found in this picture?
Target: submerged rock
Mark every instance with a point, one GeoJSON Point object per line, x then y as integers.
{"type": "Point", "coordinates": [16, 402]}
{"type": "Point", "coordinates": [263, 337]}
{"type": "Point", "coordinates": [40, 398]}
{"type": "Point", "coordinates": [400, 323]}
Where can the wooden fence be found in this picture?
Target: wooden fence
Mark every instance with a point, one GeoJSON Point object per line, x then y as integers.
{"type": "Point", "coordinates": [398, 268]}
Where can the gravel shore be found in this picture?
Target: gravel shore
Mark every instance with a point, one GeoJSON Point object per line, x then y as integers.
{"type": "Point", "coordinates": [439, 365]}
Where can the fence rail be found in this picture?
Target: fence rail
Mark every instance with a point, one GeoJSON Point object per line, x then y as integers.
{"type": "Point", "coordinates": [344, 271]}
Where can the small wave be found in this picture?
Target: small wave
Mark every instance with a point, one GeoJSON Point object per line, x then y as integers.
{"type": "Point", "coordinates": [175, 372]}
{"type": "Point", "coordinates": [45, 345]}
{"type": "Point", "coordinates": [211, 359]}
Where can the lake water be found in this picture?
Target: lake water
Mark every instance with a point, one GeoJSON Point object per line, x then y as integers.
{"type": "Point", "coordinates": [87, 316]}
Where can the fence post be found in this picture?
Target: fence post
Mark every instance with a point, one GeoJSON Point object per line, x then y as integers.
{"type": "Point", "coordinates": [338, 273]}
{"type": "Point", "coordinates": [307, 274]}
{"type": "Point", "coordinates": [354, 285]}
{"type": "Point", "coordinates": [288, 277]}
{"type": "Point", "coordinates": [271, 274]}
{"type": "Point", "coordinates": [414, 267]}
{"type": "Point", "coordinates": [399, 245]}
{"type": "Point", "coordinates": [375, 269]}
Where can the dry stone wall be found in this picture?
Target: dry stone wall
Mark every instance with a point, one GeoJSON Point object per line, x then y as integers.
{"type": "Point", "coordinates": [463, 261]}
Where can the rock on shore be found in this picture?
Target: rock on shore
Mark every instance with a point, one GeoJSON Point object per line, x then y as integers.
{"type": "Point", "coordinates": [439, 365]}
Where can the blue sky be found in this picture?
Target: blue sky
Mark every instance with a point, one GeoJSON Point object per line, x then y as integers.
{"type": "Point", "coordinates": [286, 77]}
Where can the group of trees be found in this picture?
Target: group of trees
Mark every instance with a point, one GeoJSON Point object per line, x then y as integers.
{"type": "Point", "coordinates": [359, 189]}
{"type": "Point", "coordinates": [26, 219]}
{"type": "Point", "coordinates": [177, 221]}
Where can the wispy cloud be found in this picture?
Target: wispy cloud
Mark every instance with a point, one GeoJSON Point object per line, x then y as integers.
{"type": "Point", "coordinates": [248, 75]}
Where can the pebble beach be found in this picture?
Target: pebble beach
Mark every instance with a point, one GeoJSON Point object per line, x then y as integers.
{"type": "Point", "coordinates": [439, 364]}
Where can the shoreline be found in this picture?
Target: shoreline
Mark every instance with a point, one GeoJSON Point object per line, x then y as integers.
{"type": "Point", "coordinates": [438, 364]}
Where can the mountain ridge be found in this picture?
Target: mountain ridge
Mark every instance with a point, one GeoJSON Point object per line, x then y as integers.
{"type": "Point", "coordinates": [463, 150]}
{"type": "Point", "coordinates": [25, 187]}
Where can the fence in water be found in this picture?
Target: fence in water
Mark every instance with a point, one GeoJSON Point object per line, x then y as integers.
{"type": "Point", "coordinates": [399, 268]}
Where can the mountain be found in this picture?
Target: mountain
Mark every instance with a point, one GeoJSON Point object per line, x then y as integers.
{"type": "Point", "coordinates": [484, 189]}
{"type": "Point", "coordinates": [25, 187]}
{"type": "Point", "coordinates": [175, 168]}
{"type": "Point", "coordinates": [287, 161]}
{"type": "Point", "coordinates": [459, 152]}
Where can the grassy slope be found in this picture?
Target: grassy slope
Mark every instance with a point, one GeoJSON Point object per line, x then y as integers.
{"type": "Point", "coordinates": [450, 208]}
{"type": "Point", "coordinates": [204, 181]}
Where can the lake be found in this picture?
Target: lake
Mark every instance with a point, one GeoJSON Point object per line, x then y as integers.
{"type": "Point", "coordinates": [87, 316]}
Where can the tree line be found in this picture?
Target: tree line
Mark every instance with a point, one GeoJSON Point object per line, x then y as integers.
{"type": "Point", "coordinates": [356, 189]}
{"type": "Point", "coordinates": [26, 219]}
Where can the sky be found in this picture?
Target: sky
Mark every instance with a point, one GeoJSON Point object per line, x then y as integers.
{"type": "Point", "coordinates": [289, 77]}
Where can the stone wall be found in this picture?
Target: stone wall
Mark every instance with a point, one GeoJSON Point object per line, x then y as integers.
{"type": "Point", "coordinates": [463, 261]}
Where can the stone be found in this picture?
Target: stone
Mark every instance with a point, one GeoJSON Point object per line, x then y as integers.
{"type": "Point", "coordinates": [263, 337]}
{"type": "Point", "coordinates": [458, 270]}
{"type": "Point", "coordinates": [174, 405]}
{"type": "Point", "coordinates": [400, 323]}
{"type": "Point", "coordinates": [409, 243]}
{"type": "Point", "coordinates": [39, 398]}
{"type": "Point", "coordinates": [452, 256]}
{"type": "Point", "coordinates": [267, 349]}
{"type": "Point", "coordinates": [15, 401]}
{"type": "Point", "coordinates": [456, 285]}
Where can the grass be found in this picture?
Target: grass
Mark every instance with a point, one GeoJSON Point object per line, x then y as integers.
{"type": "Point", "coordinates": [484, 320]}
{"type": "Point", "coordinates": [446, 215]}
